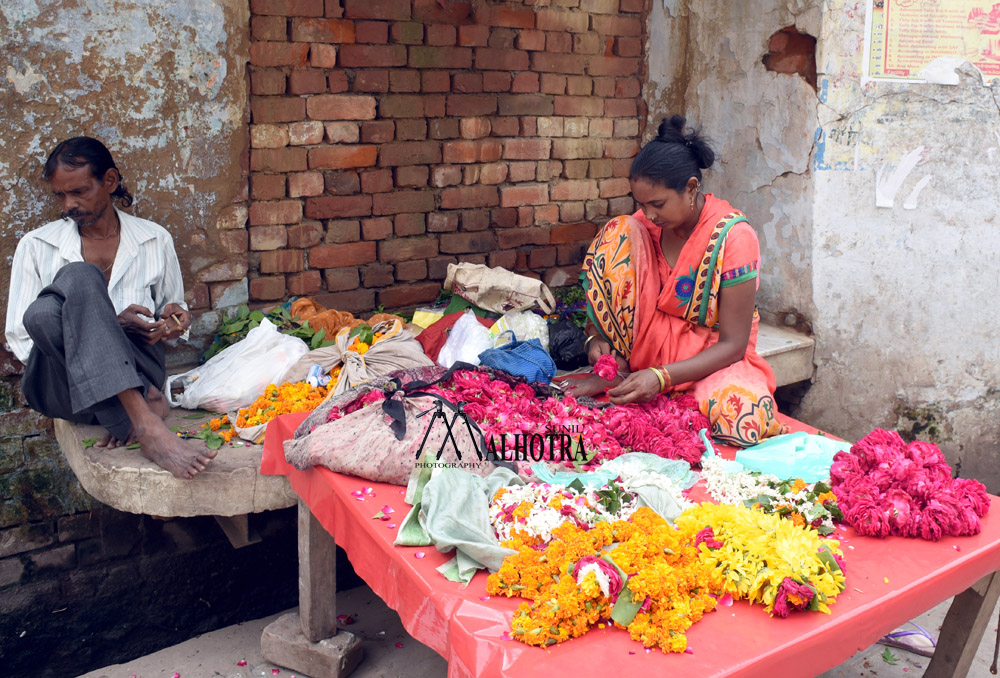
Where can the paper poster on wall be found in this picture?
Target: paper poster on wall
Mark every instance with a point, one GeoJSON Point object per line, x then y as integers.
{"type": "Point", "coordinates": [903, 38]}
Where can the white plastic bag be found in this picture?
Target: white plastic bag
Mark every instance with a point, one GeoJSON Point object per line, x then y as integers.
{"type": "Point", "coordinates": [524, 324]}
{"type": "Point", "coordinates": [234, 378]}
{"type": "Point", "coordinates": [466, 341]}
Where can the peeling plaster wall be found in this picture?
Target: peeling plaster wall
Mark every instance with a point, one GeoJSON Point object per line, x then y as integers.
{"type": "Point", "coordinates": [897, 298]}
{"type": "Point", "coordinates": [162, 84]}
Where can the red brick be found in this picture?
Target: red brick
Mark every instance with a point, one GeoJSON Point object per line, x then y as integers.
{"type": "Point", "coordinates": [601, 169]}
{"type": "Point", "coordinates": [484, 150]}
{"type": "Point", "coordinates": [337, 207]}
{"type": "Point", "coordinates": [611, 65]}
{"type": "Point", "coordinates": [233, 241]}
{"type": "Point", "coordinates": [577, 148]}
{"type": "Point", "coordinates": [268, 136]}
{"type": "Point", "coordinates": [389, 10]}
{"type": "Point", "coordinates": [403, 201]}
{"type": "Point", "coordinates": [323, 30]}
{"type": "Point", "coordinates": [441, 35]}
{"type": "Point", "coordinates": [524, 194]}
{"type": "Point", "coordinates": [463, 243]}
{"type": "Point", "coordinates": [443, 128]}
{"type": "Point", "coordinates": [341, 230]}
{"type": "Point", "coordinates": [278, 54]}
{"type": "Point", "coordinates": [552, 83]}
{"type": "Point", "coordinates": [267, 186]}
{"type": "Point", "coordinates": [409, 271]}
{"type": "Point", "coordinates": [306, 234]}
{"type": "Point", "coordinates": [496, 81]}
{"type": "Point", "coordinates": [342, 132]}
{"type": "Point", "coordinates": [557, 63]}
{"type": "Point", "coordinates": [269, 28]}
{"type": "Point", "coordinates": [379, 228]}
{"type": "Point", "coordinates": [196, 297]}
{"type": "Point", "coordinates": [341, 107]}
{"type": "Point", "coordinates": [501, 59]}
{"type": "Point", "coordinates": [342, 157]}
{"type": "Point", "coordinates": [526, 104]}
{"type": "Point", "coordinates": [525, 82]}
{"type": "Point", "coordinates": [613, 188]}
{"type": "Point", "coordinates": [542, 257]}
{"type": "Point", "coordinates": [411, 294]}
{"type": "Point", "coordinates": [304, 184]}
{"type": "Point", "coordinates": [509, 17]}
{"type": "Point", "coordinates": [627, 87]}
{"type": "Point", "coordinates": [354, 301]}
{"type": "Point", "coordinates": [287, 7]}
{"type": "Point", "coordinates": [527, 149]}
{"type": "Point", "coordinates": [579, 106]}
{"type": "Point", "coordinates": [278, 160]}
{"type": "Point", "coordinates": [342, 183]}
{"type": "Point", "coordinates": [409, 224]}
{"type": "Point", "coordinates": [474, 128]}
{"type": "Point", "coordinates": [628, 47]}
{"type": "Point", "coordinates": [337, 82]}
{"type": "Point", "coordinates": [371, 81]}
{"type": "Point", "coordinates": [493, 174]}
{"type": "Point", "coordinates": [473, 36]}
{"type": "Point", "coordinates": [571, 254]}
{"type": "Point", "coordinates": [379, 275]}
{"type": "Point", "coordinates": [620, 148]}
{"type": "Point", "coordinates": [530, 40]}
{"type": "Point", "coordinates": [435, 81]}
{"type": "Point", "coordinates": [507, 259]}
{"type": "Point", "coordinates": [585, 189]}
{"type": "Point", "coordinates": [304, 284]}
{"type": "Point", "coordinates": [632, 5]}
{"type": "Point", "coordinates": [412, 176]}
{"type": "Point", "coordinates": [268, 237]}
{"type": "Point", "coordinates": [376, 181]}
{"type": "Point", "coordinates": [378, 132]}
{"type": "Point", "coordinates": [546, 214]}
{"type": "Point", "coordinates": [576, 169]}
{"type": "Point", "coordinates": [264, 81]}
{"type": "Point", "coordinates": [306, 133]}
{"type": "Point", "coordinates": [436, 12]}
{"type": "Point", "coordinates": [561, 276]}
{"type": "Point", "coordinates": [336, 256]}
{"type": "Point", "coordinates": [562, 20]}
{"type": "Point", "coordinates": [402, 106]}
{"type": "Point", "coordinates": [268, 288]}
{"type": "Point", "coordinates": [372, 56]}
{"type": "Point", "coordinates": [604, 87]}
{"type": "Point", "coordinates": [521, 171]}
{"type": "Point", "coordinates": [404, 81]}
{"type": "Point", "coordinates": [519, 237]}
{"type": "Point", "coordinates": [338, 279]}
{"type": "Point", "coordinates": [403, 249]}
{"type": "Point", "coordinates": [599, 6]}
{"type": "Point", "coordinates": [620, 108]}
{"type": "Point", "coordinates": [548, 170]}
{"type": "Point", "coordinates": [322, 55]}
{"type": "Point", "coordinates": [469, 196]}
{"type": "Point", "coordinates": [587, 43]}
{"type": "Point", "coordinates": [617, 25]}
{"type": "Point", "coordinates": [442, 222]}
{"type": "Point", "coordinates": [467, 82]}
{"type": "Point", "coordinates": [277, 109]}
{"type": "Point", "coordinates": [441, 57]}
{"type": "Point", "coordinates": [460, 105]}
{"type": "Point", "coordinates": [446, 176]}
{"type": "Point", "coordinates": [476, 220]}
{"type": "Point", "coordinates": [409, 153]}
{"type": "Point", "coordinates": [282, 261]}
{"type": "Point", "coordinates": [558, 42]}
{"type": "Point", "coordinates": [579, 85]}
{"type": "Point", "coordinates": [279, 212]}
{"type": "Point", "coordinates": [506, 126]}
{"type": "Point", "coordinates": [622, 167]}
{"type": "Point", "coordinates": [373, 32]}
{"type": "Point", "coordinates": [529, 126]}
{"type": "Point", "coordinates": [306, 82]}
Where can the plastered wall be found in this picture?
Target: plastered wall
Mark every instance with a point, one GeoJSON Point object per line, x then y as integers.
{"type": "Point", "coordinates": [897, 297]}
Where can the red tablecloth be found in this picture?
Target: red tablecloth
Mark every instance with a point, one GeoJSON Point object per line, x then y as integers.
{"type": "Point", "coordinates": [888, 582]}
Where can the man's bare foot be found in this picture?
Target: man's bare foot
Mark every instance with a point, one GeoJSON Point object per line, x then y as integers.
{"type": "Point", "coordinates": [110, 442]}
{"type": "Point", "coordinates": [161, 446]}
{"type": "Point", "coordinates": [158, 405]}
{"type": "Point", "coordinates": [588, 386]}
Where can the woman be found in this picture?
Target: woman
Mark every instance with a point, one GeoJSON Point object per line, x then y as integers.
{"type": "Point", "coordinates": [671, 292]}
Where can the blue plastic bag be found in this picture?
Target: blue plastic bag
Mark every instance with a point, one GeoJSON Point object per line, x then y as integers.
{"type": "Point", "coordinates": [526, 359]}
{"type": "Point", "coordinates": [793, 455]}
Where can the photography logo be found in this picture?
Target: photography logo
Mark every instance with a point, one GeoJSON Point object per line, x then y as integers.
{"type": "Point", "coordinates": [556, 444]}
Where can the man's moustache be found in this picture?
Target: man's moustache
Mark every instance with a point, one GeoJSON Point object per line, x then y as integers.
{"type": "Point", "coordinates": [74, 215]}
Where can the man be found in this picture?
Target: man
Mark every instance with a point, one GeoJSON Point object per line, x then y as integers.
{"type": "Point", "coordinates": [93, 297]}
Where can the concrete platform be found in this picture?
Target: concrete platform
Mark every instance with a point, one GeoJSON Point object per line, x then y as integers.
{"type": "Point", "coordinates": [391, 652]}
{"type": "Point", "coordinates": [127, 481]}
{"type": "Point", "coordinates": [789, 353]}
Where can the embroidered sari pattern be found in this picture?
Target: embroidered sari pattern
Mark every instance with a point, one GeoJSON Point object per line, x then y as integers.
{"type": "Point", "coordinates": [702, 306]}
{"type": "Point", "coordinates": [609, 281]}
{"type": "Point", "coordinates": [741, 416]}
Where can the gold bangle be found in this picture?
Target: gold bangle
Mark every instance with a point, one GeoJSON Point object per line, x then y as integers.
{"type": "Point", "coordinates": [586, 342]}
{"type": "Point", "coordinates": [659, 377]}
{"type": "Point", "coordinates": [666, 376]}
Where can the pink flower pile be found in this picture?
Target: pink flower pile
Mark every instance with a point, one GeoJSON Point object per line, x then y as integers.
{"type": "Point", "coordinates": [606, 367]}
{"type": "Point", "coordinates": [886, 487]}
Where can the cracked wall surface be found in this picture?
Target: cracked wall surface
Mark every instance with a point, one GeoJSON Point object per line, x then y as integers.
{"type": "Point", "coordinates": [898, 297]}
{"type": "Point", "coordinates": [162, 84]}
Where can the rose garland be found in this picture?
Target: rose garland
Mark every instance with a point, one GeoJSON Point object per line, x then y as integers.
{"type": "Point", "coordinates": [767, 560]}
{"type": "Point", "coordinates": [606, 367]}
{"type": "Point", "coordinates": [572, 583]}
{"type": "Point", "coordinates": [888, 487]}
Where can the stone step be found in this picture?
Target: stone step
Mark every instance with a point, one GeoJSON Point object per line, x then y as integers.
{"type": "Point", "coordinates": [789, 353]}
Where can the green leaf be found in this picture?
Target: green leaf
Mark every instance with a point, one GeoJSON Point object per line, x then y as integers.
{"type": "Point", "coordinates": [889, 658]}
{"type": "Point", "coordinates": [243, 312]}
{"type": "Point", "coordinates": [175, 429]}
{"type": "Point", "coordinates": [576, 485]}
{"type": "Point", "coordinates": [197, 415]}
{"type": "Point", "coordinates": [256, 316]}
{"type": "Point", "coordinates": [88, 443]}
{"type": "Point", "coordinates": [214, 441]}
{"type": "Point", "coordinates": [133, 446]}
{"type": "Point", "coordinates": [317, 339]}
{"type": "Point", "coordinates": [378, 515]}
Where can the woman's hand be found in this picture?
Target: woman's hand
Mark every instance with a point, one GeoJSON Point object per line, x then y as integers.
{"type": "Point", "coordinates": [597, 347]}
{"type": "Point", "coordinates": [638, 387]}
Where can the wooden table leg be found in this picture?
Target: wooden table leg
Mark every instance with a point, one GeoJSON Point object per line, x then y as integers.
{"type": "Point", "coordinates": [317, 578]}
{"type": "Point", "coordinates": [963, 628]}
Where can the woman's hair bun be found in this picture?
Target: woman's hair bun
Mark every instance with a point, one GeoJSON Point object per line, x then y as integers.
{"type": "Point", "coordinates": [672, 130]}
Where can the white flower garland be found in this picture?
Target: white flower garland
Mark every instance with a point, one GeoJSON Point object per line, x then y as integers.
{"type": "Point", "coordinates": [551, 506]}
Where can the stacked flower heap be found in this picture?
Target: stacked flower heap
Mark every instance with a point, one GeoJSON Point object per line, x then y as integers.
{"type": "Point", "coordinates": [887, 487]}
{"type": "Point", "coordinates": [534, 511]}
{"type": "Point", "coordinates": [573, 583]}
{"type": "Point", "coordinates": [803, 503]}
{"type": "Point", "coordinates": [765, 559]}
{"type": "Point", "coordinates": [278, 400]}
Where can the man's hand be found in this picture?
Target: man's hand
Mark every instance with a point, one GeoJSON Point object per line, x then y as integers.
{"type": "Point", "coordinates": [638, 387]}
{"type": "Point", "coordinates": [177, 321]}
{"type": "Point", "coordinates": [144, 331]}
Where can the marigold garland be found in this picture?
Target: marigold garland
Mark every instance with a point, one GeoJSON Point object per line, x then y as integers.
{"type": "Point", "coordinates": [765, 559]}
{"type": "Point", "coordinates": [278, 400]}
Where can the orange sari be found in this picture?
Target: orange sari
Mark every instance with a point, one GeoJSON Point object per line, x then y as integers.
{"type": "Point", "coordinates": [655, 314]}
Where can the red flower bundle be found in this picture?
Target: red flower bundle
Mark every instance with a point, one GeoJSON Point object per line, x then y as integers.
{"type": "Point", "coordinates": [885, 486]}
{"type": "Point", "coordinates": [606, 367]}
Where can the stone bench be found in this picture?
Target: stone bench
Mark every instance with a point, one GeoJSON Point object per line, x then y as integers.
{"type": "Point", "coordinates": [789, 353]}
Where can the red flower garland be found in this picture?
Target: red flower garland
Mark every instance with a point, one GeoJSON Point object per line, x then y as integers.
{"type": "Point", "coordinates": [886, 487]}
{"type": "Point", "coordinates": [606, 367]}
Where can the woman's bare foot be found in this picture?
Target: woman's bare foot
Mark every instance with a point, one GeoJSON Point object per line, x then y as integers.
{"type": "Point", "coordinates": [588, 386]}
{"type": "Point", "coordinates": [158, 405]}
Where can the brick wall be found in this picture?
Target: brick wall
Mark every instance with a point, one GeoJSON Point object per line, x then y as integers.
{"type": "Point", "coordinates": [390, 138]}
